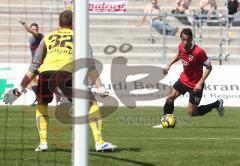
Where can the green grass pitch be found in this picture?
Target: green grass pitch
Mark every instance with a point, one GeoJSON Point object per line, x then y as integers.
{"type": "Point", "coordinates": [202, 141]}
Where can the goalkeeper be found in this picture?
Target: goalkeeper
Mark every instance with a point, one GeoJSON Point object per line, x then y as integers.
{"type": "Point", "coordinates": [54, 61]}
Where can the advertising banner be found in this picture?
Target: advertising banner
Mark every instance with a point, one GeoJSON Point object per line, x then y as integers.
{"type": "Point", "coordinates": [108, 6]}
{"type": "Point", "coordinates": [222, 82]}
{"type": "Point", "coordinates": [10, 77]}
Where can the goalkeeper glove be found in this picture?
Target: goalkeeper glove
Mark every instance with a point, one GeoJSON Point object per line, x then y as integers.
{"type": "Point", "coordinates": [102, 92]}
{"type": "Point", "coordinates": [13, 94]}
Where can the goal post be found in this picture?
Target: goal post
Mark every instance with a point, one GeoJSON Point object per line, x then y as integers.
{"type": "Point", "coordinates": [80, 131]}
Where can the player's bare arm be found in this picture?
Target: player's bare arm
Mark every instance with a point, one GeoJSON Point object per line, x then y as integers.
{"type": "Point", "coordinates": [27, 28]}
{"type": "Point", "coordinates": [27, 79]}
{"type": "Point", "coordinates": [206, 73]}
{"type": "Point", "coordinates": [33, 69]}
{"type": "Point", "coordinates": [167, 68]}
{"type": "Point", "coordinates": [94, 76]}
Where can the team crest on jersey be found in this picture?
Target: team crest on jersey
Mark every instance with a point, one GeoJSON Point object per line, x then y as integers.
{"type": "Point", "coordinates": [185, 63]}
{"type": "Point", "coordinates": [190, 57]}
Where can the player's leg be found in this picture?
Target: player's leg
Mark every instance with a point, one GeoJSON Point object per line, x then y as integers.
{"type": "Point", "coordinates": [95, 122]}
{"type": "Point", "coordinates": [95, 118]}
{"type": "Point", "coordinates": [42, 120]}
{"type": "Point", "coordinates": [45, 96]}
{"type": "Point", "coordinates": [192, 109]}
{"type": "Point", "coordinates": [35, 89]}
{"type": "Point", "coordinates": [195, 110]}
{"type": "Point", "coordinates": [178, 89]}
{"type": "Point", "coordinates": [203, 109]}
{"type": "Point", "coordinates": [168, 108]}
{"type": "Point", "coordinates": [33, 85]}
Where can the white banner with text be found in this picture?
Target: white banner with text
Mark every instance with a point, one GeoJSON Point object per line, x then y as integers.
{"type": "Point", "coordinates": [108, 6]}
{"type": "Point", "coordinates": [222, 82]}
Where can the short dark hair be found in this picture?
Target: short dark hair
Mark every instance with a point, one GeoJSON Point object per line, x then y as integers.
{"type": "Point", "coordinates": [187, 31]}
{"type": "Point", "coordinates": [65, 18]}
{"type": "Point", "coordinates": [34, 24]}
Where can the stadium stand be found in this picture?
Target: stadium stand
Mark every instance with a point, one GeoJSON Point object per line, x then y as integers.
{"type": "Point", "coordinates": [114, 30]}
{"type": "Point", "coordinates": [14, 41]}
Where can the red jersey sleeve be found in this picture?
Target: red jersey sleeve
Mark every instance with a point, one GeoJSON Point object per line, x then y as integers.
{"type": "Point", "coordinates": [203, 58]}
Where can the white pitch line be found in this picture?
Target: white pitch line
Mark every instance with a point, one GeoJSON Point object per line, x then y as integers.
{"type": "Point", "coordinates": [161, 138]}
{"type": "Point", "coordinates": [25, 119]}
{"type": "Point", "coordinates": [16, 119]}
{"type": "Point", "coordinates": [194, 138]}
{"type": "Point", "coordinates": [17, 138]}
{"type": "Point", "coordinates": [178, 138]}
{"type": "Point", "coordinates": [27, 138]}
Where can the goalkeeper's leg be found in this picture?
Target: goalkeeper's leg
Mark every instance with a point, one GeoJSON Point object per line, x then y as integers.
{"type": "Point", "coordinates": [42, 125]}
{"type": "Point", "coordinates": [95, 122]}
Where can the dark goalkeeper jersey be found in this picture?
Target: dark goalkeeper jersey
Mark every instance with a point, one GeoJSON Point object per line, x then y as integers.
{"type": "Point", "coordinates": [34, 43]}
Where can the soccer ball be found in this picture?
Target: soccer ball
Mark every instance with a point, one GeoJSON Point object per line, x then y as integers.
{"type": "Point", "coordinates": [168, 121]}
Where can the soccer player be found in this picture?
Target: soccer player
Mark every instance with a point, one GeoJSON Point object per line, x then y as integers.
{"type": "Point", "coordinates": [191, 79]}
{"type": "Point", "coordinates": [95, 117]}
{"type": "Point", "coordinates": [34, 42]}
{"type": "Point", "coordinates": [53, 63]}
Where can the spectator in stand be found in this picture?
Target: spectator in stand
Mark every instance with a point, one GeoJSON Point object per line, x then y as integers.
{"type": "Point", "coordinates": [233, 7]}
{"type": "Point", "coordinates": [182, 7]}
{"type": "Point", "coordinates": [156, 21]}
{"type": "Point", "coordinates": [68, 5]}
{"type": "Point", "coordinates": [209, 8]}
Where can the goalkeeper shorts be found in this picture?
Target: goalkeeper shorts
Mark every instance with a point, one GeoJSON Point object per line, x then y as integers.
{"type": "Point", "coordinates": [48, 82]}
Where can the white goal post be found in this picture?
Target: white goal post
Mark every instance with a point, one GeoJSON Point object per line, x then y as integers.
{"type": "Point", "coordinates": [80, 131]}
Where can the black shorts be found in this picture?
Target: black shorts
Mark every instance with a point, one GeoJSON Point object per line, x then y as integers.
{"type": "Point", "coordinates": [194, 97]}
{"type": "Point", "coordinates": [48, 82]}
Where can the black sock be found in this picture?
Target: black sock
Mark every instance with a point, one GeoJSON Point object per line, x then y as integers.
{"type": "Point", "coordinates": [203, 109]}
{"type": "Point", "coordinates": [35, 90]}
{"type": "Point", "coordinates": [168, 108]}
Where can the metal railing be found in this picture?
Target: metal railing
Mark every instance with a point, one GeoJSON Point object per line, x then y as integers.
{"type": "Point", "coordinates": [199, 21]}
